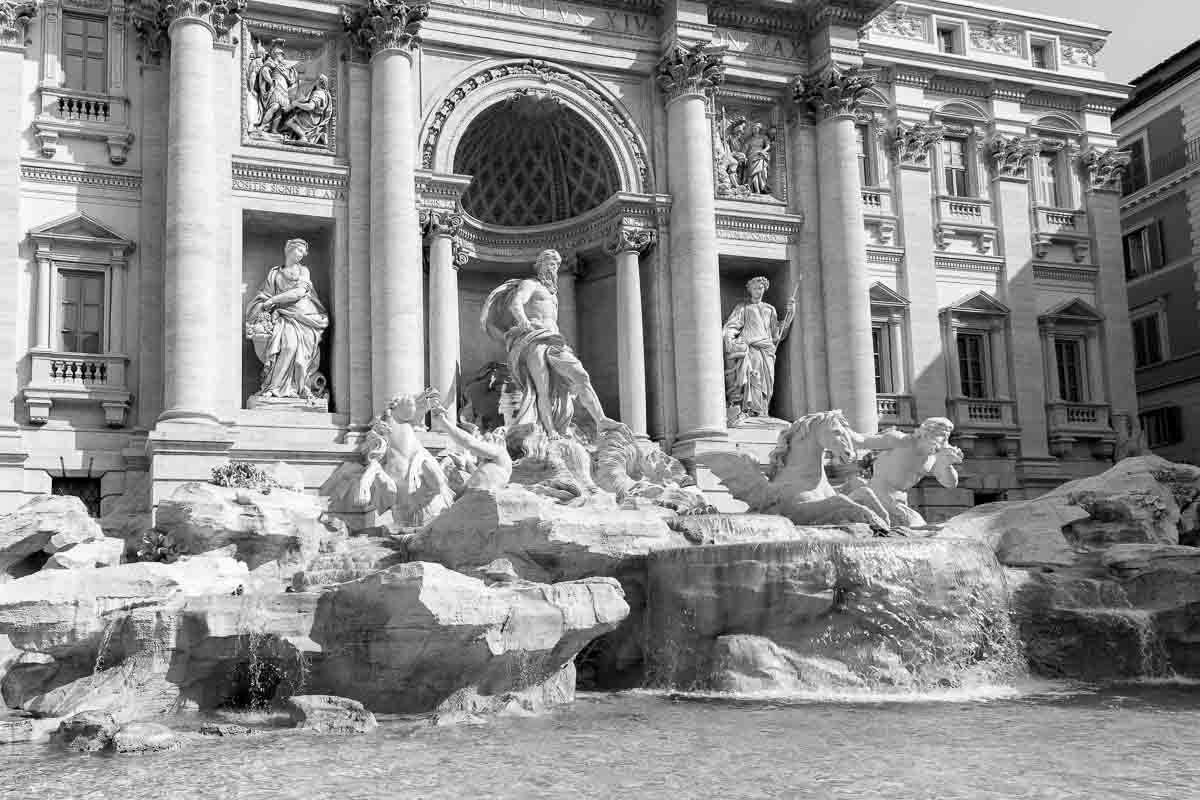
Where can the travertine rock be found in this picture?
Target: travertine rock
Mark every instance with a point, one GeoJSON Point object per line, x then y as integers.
{"type": "Point", "coordinates": [323, 713]}
{"type": "Point", "coordinates": [43, 526]}
{"type": "Point", "coordinates": [87, 732]}
{"type": "Point", "coordinates": [734, 528]}
{"type": "Point", "coordinates": [130, 515]}
{"type": "Point", "coordinates": [104, 552]}
{"type": "Point", "coordinates": [145, 737]}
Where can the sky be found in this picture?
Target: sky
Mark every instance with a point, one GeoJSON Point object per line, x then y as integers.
{"type": "Point", "coordinates": [1144, 31]}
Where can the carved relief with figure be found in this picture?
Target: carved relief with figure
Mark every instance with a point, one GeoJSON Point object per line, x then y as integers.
{"type": "Point", "coordinates": [279, 110]}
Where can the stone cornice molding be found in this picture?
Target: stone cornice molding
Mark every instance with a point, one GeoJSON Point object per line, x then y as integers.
{"type": "Point", "coordinates": [384, 25]}
{"type": "Point", "coordinates": [440, 192]}
{"type": "Point", "coordinates": [691, 71]}
{"type": "Point", "coordinates": [79, 176]}
{"type": "Point", "coordinates": [293, 181]}
{"type": "Point", "coordinates": [222, 16]}
{"type": "Point", "coordinates": [1010, 155]}
{"type": "Point", "coordinates": [629, 239]}
{"type": "Point", "coordinates": [1104, 169]}
{"type": "Point", "coordinates": [835, 93]}
{"type": "Point", "coordinates": [912, 143]}
{"type": "Point", "coordinates": [15, 16]}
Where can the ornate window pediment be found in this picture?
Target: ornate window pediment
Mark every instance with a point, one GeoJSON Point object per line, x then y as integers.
{"type": "Point", "coordinates": [884, 297]}
{"type": "Point", "coordinates": [1072, 312]}
{"type": "Point", "coordinates": [79, 229]}
{"type": "Point", "coordinates": [978, 304]}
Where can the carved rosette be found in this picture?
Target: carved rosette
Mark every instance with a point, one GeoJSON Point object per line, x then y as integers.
{"type": "Point", "coordinates": [384, 25]}
{"type": "Point", "coordinates": [1010, 155]}
{"type": "Point", "coordinates": [1105, 168]}
{"type": "Point", "coordinates": [14, 19]}
{"type": "Point", "coordinates": [627, 239]}
{"type": "Point", "coordinates": [912, 143]}
{"type": "Point", "coordinates": [836, 93]}
{"type": "Point", "coordinates": [222, 15]}
{"type": "Point", "coordinates": [695, 70]}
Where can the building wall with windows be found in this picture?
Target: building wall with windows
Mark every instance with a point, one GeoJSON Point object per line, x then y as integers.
{"type": "Point", "coordinates": [937, 185]}
{"type": "Point", "coordinates": [1160, 222]}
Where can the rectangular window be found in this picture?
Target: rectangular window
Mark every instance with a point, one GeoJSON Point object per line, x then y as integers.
{"type": "Point", "coordinates": [1048, 180]}
{"type": "Point", "coordinates": [1135, 174]}
{"type": "Point", "coordinates": [1039, 55]}
{"type": "Point", "coordinates": [1069, 355]}
{"type": "Point", "coordinates": [1147, 340]}
{"type": "Point", "coordinates": [947, 37]}
{"type": "Point", "coordinates": [83, 52]}
{"type": "Point", "coordinates": [81, 314]}
{"type": "Point", "coordinates": [1143, 250]}
{"type": "Point", "coordinates": [881, 344]}
{"type": "Point", "coordinates": [1162, 426]}
{"type": "Point", "coordinates": [954, 166]}
{"type": "Point", "coordinates": [973, 364]}
{"type": "Point", "coordinates": [863, 141]}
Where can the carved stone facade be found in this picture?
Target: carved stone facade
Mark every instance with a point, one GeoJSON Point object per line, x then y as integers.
{"type": "Point", "coordinates": [426, 152]}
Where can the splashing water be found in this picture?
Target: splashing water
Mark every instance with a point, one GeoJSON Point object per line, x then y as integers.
{"type": "Point", "coordinates": [105, 638]}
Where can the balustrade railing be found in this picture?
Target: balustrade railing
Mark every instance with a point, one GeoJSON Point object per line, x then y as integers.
{"type": "Point", "coordinates": [964, 211]}
{"type": "Point", "coordinates": [1063, 416]}
{"type": "Point", "coordinates": [84, 109]}
{"type": "Point", "coordinates": [970, 413]}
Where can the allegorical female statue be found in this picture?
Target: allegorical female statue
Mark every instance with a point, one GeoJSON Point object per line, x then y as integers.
{"type": "Point", "coordinates": [752, 333]}
{"type": "Point", "coordinates": [285, 320]}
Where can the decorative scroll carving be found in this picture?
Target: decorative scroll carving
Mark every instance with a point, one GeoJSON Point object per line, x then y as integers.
{"type": "Point", "coordinates": [995, 39]}
{"type": "Point", "coordinates": [835, 93]}
{"type": "Point", "coordinates": [625, 239]}
{"type": "Point", "coordinates": [15, 16]}
{"type": "Point", "coordinates": [223, 15]}
{"type": "Point", "coordinates": [1105, 168]}
{"type": "Point", "coordinates": [698, 70]}
{"type": "Point", "coordinates": [912, 143]}
{"type": "Point", "coordinates": [1010, 154]}
{"type": "Point", "coordinates": [384, 25]}
{"type": "Point", "coordinates": [440, 223]}
{"type": "Point", "coordinates": [897, 23]}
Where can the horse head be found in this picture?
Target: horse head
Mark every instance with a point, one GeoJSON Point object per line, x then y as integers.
{"type": "Point", "coordinates": [813, 434]}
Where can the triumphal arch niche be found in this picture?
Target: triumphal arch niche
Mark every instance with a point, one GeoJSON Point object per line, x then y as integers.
{"type": "Point", "coordinates": [523, 156]}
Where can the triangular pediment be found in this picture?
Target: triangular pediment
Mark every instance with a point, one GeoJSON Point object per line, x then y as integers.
{"type": "Point", "coordinates": [1075, 311]}
{"type": "Point", "coordinates": [79, 228]}
{"type": "Point", "coordinates": [978, 303]}
{"type": "Point", "coordinates": [881, 295]}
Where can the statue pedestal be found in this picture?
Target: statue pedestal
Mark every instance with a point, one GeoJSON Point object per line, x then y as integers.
{"type": "Point", "coordinates": [319, 405]}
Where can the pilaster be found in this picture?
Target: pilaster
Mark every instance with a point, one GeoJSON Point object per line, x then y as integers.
{"type": "Point", "coordinates": [807, 354]}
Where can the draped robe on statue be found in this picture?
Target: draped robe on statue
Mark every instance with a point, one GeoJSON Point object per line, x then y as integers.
{"type": "Point", "coordinates": [751, 334]}
{"type": "Point", "coordinates": [291, 355]}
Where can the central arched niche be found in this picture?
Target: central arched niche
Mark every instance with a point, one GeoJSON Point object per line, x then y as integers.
{"type": "Point", "coordinates": [533, 161]}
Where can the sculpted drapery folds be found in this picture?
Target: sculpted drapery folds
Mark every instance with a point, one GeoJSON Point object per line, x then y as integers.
{"type": "Point", "coordinates": [698, 69]}
{"type": "Point", "coordinates": [752, 335]}
{"type": "Point", "coordinates": [285, 321]}
{"type": "Point", "coordinates": [384, 25]}
{"type": "Point", "coordinates": [835, 92]}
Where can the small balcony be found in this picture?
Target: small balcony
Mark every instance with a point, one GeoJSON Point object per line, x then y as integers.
{"type": "Point", "coordinates": [978, 418]}
{"type": "Point", "coordinates": [1072, 222]}
{"type": "Point", "coordinates": [877, 203]}
{"type": "Point", "coordinates": [1069, 423]}
{"type": "Point", "coordinates": [967, 211]}
{"type": "Point", "coordinates": [83, 115]}
{"type": "Point", "coordinates": [896, 409]}
{"type": "Point", "coordinates": [77, 377]}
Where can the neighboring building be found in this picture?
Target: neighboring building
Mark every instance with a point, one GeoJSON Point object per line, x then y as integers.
{"type": "Point", "coordinates": [952, 232]}
{"type": "Point", "coordinates": [1160, 223]}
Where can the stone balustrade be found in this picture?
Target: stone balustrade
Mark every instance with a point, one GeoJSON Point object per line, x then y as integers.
{"type": "Point", "coordinates": [896, 409]}
{"type": "Point", "coordinates": [965, 211]}
{"type": "Point", "coordinates": [968, 413]}
{"type": "Point", "coordinates": [77, 377]}
{"type": "Point", "coordinates": [1078, 417]}
{"type": "Point", "coordinates": [877, 203]}
{"type": "Point", "coordinates": [83, 115]}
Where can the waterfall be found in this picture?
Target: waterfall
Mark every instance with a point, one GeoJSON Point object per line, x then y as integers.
{"type": "Point", "coordinates": [105, 637]}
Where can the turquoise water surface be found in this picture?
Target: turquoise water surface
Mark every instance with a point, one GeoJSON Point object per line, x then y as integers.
{"type": "Point", "coordinates": [1051, 741]}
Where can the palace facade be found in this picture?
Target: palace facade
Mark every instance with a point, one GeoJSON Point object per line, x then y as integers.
{"type": "Point", "coordinates": [935, 182]}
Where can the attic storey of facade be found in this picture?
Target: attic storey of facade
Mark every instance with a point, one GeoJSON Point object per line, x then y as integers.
{"type": "Point", "coordinates": [380, 168]}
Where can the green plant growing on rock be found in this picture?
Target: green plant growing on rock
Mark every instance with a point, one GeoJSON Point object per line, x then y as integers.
{"type": "Point", "coordinates": [158, 546]}
{"type": "Point", "coordinates": [242, 475]}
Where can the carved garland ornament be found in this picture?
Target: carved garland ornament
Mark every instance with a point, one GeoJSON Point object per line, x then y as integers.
{"type": "Point", "coordinates": [913, 142]}
{"type": "Point", "coordinates": [547, 73]}
{"type": "Point", "coordinates": [1105, 168]}
{"type": "Point", "coordinates": [384, 25]}
{"type": "Point", "coordinates": [835, 93]}
{"type": "Point", "coordinates": [14, 19]}
{"type": "Point", "coordinates": [695, 70]}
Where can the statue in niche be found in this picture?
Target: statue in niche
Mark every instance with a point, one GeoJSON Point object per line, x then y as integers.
{"type": "Point", "coordinates": [273, 82]}
{"type": "Point", "coordinates": [902, 461]}
{"type": "Point", "coordinates": [744, 157]}
{"type": "Point", "coordinates": [523, 313]}
{"type": "Point", "coordinates": [752, 335]}
{"type": "Point", "coordinates": [285, 321]}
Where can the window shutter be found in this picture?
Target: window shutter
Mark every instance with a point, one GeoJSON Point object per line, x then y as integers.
{"type": "Point", "coordinates": [1154, 255]}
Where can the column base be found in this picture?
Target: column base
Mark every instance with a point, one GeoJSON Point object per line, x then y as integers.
{"type": "Point", "coordinates": [183, 452]}
{"type": "Point", "coordinates": [189, 416]}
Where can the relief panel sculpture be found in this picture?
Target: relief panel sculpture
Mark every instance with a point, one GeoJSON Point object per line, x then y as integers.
{"type": "Point", "coordinates": [747, 163]}
{"type": "Point", "coordinates": [289, 102]}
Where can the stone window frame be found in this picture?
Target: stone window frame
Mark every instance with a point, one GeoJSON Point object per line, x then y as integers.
{"type": "Point", "coordinates": [982, 314]}
{"type": "Point", "coordinates": [72, 113]}
{"type": "Point", "coordinates": [1078, 321]}
{"type": "Point", "coordinates": [1051, 44]}
{"type": "Point", "coordinates": [1063, 136]}
{"type": "Point", "coordinates": [1156, 308]}
{"type": "Point", "coordinates": [962, 120]}
{"type": "Point", "coordinates": [1173, 414]}
{"type": "Point", "coordinates": [1151, 235]}
{"type": "Point", "coordinates": [958, 28]}
{"type": "Point", "coordinates": [889, 314]}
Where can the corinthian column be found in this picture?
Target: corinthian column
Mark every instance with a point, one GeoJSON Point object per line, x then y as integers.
{"type": "Point", "coordinates": [833, 97]}
{"type": "Point", "coordinates": [386, 32]}
{"type": "Point", "coordinates": [626, 245]}
{"type": "Point", "coordinates": [688, 76]}
{"type": "Point", "coordinates": [190, 295]}
{"type": "Point", "coordinates": [445, 257]}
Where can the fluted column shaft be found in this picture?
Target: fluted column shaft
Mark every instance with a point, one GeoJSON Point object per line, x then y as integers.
{"type": "Point", "coordinates": [444, 343]}
{"type": "Point", "coordinates": [631, 343]}
{"type": "Point", "coordinates": [190, 291]}
{"type": "Point", "coordinates": [689, 76]}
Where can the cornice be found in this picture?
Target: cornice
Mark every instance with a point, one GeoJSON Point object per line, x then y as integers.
{"type": "Point", "coordinates": [968, 263]}
{"type": "Point", "coordinates": [81, 176]}
{"type": "Point", "coordinates": [757, 225]}
{"type": "Point", "coordinates": [1065, 273]}
{"type": "Point", "coordinates": [291, 180]}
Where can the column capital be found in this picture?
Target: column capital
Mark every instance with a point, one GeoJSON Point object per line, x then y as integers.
{"type": "Point", "coordinates": [911, 143]}
{"type": "Point", "coordinates": [1010, 155]}
{"type": "Point", "coordinates": [221, 16]}
{"type": "Point", "coordinates": [15, 16]}
{"type": "Point", "coordinates": [435, 222]}
{"type": "Point", "coordinates": [384, 25]}
{"type": "Point", "coordinates": [1105, 169]}
{"type": "Point", "coordinates": [696, 70]}
{"type": "Point", "coordinates": [834, 93]}
{"type": "Point", "coordinates": [628, 239]}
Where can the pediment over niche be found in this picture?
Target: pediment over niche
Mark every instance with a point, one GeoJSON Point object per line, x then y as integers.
{"type": "Point", "coordinates": [1073, 311]}
{"type": "Point", "coordinates": [978, 303]}
{"type": "Point", "coordinates": [79, 229]}
{"type": "Point", "coordinates": [881, 295]}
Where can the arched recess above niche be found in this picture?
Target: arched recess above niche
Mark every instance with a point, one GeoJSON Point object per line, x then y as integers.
{"type": "Point", "coordinates": [484, 85]}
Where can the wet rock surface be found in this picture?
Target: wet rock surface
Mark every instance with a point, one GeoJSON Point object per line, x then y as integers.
{"type": "Point", "coordinates": [323, 713]}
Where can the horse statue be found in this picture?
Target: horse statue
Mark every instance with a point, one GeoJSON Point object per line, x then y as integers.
{"type": "Point", "coordinates": [633, 469]}
{"type": "Point", "coordinates": [795, 485]}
